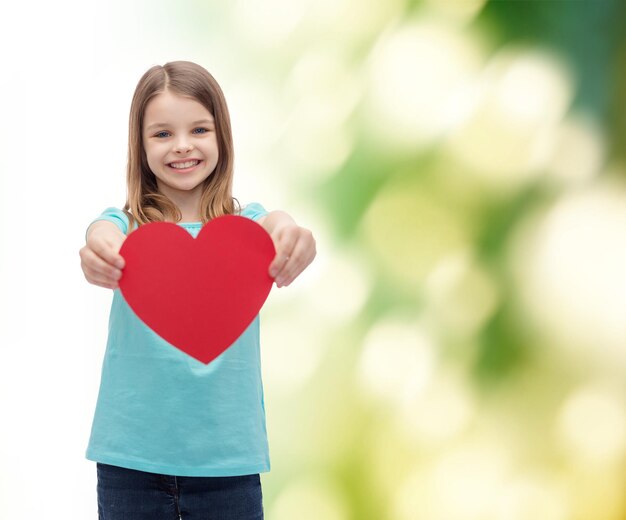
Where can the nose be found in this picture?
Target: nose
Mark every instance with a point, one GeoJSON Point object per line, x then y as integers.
{"type": "Point", "coordinates": [183, 147]}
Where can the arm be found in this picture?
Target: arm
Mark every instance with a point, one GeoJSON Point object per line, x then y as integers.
{"type": "Point", "coordinates": [295, 246]}
{"type": "Point", "coordinates": [100, 258]}
{"type": "Point", "coordinates": [274, 219]}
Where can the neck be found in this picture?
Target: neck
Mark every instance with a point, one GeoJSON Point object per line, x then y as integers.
{"type": "Point", "coordinates": [189, 214]}
{"type": "Point", "coordinates": [188, 203]}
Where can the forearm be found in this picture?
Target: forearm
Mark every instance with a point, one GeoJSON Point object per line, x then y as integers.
{"type": "Point", "coordinates": [104, 226]}
{"type": "Point", "coordinates": [276, 219]}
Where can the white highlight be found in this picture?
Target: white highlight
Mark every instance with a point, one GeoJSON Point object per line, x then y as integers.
{"type": "Point", "coordinates": [441, 412]}
{"type": "Point", "coordinates": [397, 361]}
{"type": "Point", "coordinates": [571, 276]}
{"type": "Point", "coordinates": [268, 23]}
{"type": "Point", "coordinates": [415, 73]}
{"type": "Point", "coordinates": [461, 295]}
{"type": "Point", "coordinates": [505, 138]}
{"type": "Point", "coordinates": [532, 496]}
{"type": "Point", "coordinates": [460, 485]}
{"type": "Point", "coordinates": [592, 426]}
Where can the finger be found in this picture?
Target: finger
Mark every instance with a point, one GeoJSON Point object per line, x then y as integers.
{"type": "Point", "coordinates": [106, 285]}
{"type": "Point", "coordinates": [297, 263]}
{"type": "Point", "coordinates": [296, 248]}
{"type": "Point", "coordinates": [106, 251]}
{"type": "Point", "coordinates": [284, 245]}
{"type": "Point", "coordinates": [290, 273]}
{"type": "Point", "coordinates": [99, 280]}
{"type": "Point", "coordinates": [302, 258]}
{"type": "Point", "coordinates": [278, 265]}
{"type": "Point", "coordinates": [96, 267]}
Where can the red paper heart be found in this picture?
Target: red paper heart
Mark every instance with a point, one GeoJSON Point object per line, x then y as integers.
{"type": "Point", "coordinates": [198, 294]}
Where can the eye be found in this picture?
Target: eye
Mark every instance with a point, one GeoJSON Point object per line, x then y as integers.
{"type": "Point", "coordinates": [204, 130]}
{"type": "Point", "coordinates": [160, 134]}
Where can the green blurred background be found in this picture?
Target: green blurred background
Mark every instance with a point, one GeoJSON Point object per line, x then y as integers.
{"type": "Point", "coordinates": [458, 349]}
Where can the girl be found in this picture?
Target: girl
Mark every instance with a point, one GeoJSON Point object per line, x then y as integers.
{"type": "Point", "coordinates": [174, 438]}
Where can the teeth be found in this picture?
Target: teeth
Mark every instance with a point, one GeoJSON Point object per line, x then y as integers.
{"type": "Point", "coordinates": [187, 164]}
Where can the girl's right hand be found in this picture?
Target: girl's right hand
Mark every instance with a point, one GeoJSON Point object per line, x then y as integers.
{"type": "Point", "coordinates": [100, 259]}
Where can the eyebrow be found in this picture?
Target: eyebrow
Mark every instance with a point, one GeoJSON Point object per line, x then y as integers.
{"type": "Point", "coordinates": [198, 122]}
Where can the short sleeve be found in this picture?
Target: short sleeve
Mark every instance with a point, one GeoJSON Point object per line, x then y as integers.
{"type": "Point", "coordinates": [115, 215]}
{"type": "Point", "coordinates": [254, 210]}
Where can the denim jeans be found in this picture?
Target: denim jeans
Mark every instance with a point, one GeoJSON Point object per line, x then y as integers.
{"type": "Point", "coordinates": [128, 494]}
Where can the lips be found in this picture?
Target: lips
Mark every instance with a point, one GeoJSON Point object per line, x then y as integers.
{"type": "Point", "coordinates": [185, 166]}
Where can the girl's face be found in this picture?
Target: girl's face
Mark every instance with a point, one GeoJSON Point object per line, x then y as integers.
{"type": "Point", "coordinates": [181, 145]}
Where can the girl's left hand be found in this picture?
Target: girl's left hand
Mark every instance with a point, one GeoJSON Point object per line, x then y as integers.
{"type": "Point", "coordinates": [295, 250]}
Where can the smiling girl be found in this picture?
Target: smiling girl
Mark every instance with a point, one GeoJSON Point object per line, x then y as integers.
{"type": "Point", "coordinates": [172, 437]}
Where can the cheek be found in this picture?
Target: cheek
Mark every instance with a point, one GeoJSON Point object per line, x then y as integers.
{"type": "Point", "coordinates": [214, 149]}
{"type": "Point", "coordinates": [150, 159]}
{"type": "Point", "coordinates": [154, 155]}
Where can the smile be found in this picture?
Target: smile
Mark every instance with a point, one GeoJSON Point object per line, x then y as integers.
{"type": "Point", "coordinates": [185, 166]}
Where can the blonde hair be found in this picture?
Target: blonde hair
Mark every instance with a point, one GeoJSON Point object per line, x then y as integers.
{"type": "Point", "coordinates": [144, 203]}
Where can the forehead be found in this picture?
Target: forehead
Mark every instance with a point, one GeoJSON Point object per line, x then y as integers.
{"type": "Point", "coordinates": [169, 108]}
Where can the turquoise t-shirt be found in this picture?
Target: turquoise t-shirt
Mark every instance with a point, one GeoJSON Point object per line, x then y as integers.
{"type": "Point", "coordinates": [162, 411]}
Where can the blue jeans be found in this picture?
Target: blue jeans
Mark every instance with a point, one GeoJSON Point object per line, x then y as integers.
{"type": "Point", "coordinates": [128, 494]}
